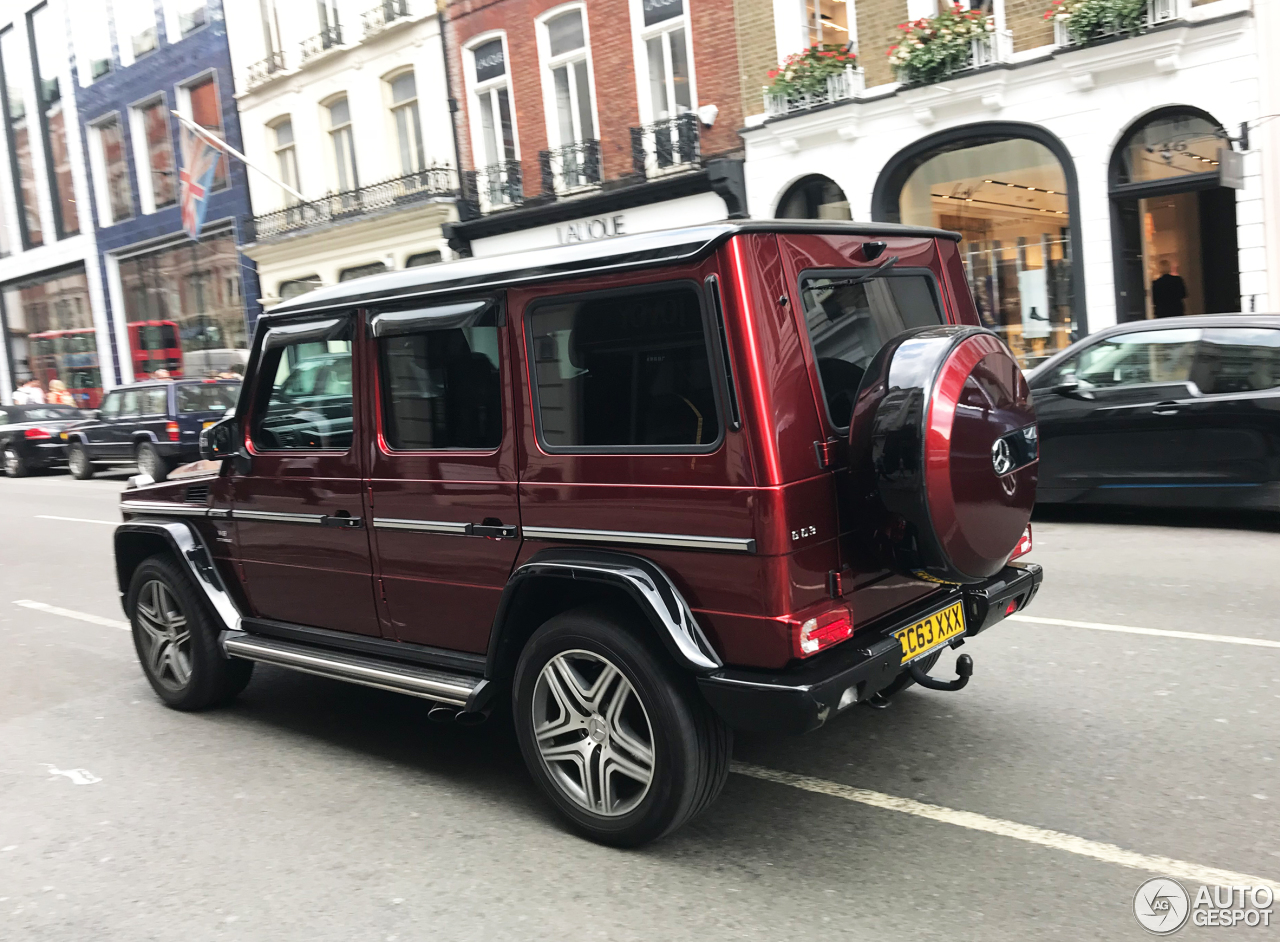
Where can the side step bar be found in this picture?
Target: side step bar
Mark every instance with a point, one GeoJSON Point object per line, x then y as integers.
{"type": "Point", "coordinates": [442, 686]}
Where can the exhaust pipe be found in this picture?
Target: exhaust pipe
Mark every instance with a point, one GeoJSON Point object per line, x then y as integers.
{"type": "Point", "coordinates": [442, 714]}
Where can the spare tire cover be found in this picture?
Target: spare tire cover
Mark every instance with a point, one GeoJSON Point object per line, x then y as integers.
{"type": "Point", "coordinates": [943, 442]}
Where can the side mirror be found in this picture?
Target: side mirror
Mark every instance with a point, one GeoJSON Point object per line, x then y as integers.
{"type": "Point", "coordinates": [220, 440]}
{"type": "Point", "coordinates": [1071, 389]}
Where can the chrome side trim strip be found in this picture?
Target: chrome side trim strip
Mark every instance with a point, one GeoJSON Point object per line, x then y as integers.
{"type": "Point", "coordinates": [728, 544]}
{"type": "Point", "coordinates": [369, 672]}
{"type": "Point", "coordinates": [163, 507]}
{"type": "Point", "coordinates": [273, 516]}
{"type": "Point", "coordinates": [421, 526]}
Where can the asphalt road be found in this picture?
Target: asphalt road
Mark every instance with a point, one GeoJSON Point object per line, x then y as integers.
{"type": "Point", "coordinates": [313, 810]}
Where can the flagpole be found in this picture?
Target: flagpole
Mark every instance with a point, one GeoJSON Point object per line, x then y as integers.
{"type": "Point", "coordinates": [223, 145]}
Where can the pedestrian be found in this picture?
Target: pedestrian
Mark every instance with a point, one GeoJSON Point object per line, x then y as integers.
{"type": "Point", "coordinates": [1167, 292]}
{"type": "Point", "coordinates": [59, 394]}
{"type": "Point", "coordinates": [160, 374]}
{"type": "Point", "coordinates": [28, 394]}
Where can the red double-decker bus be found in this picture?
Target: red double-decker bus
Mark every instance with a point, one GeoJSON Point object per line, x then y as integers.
{"type": "Point", "coordinates": [155, 346]}
{"type": "Point", "coordinates": [71, 356]}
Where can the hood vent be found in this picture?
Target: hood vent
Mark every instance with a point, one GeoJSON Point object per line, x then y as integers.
{"type": "Point", "coordinates": [197, 494]}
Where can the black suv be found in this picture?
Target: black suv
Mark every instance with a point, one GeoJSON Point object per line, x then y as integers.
{"type": "Point", "coordinates": [155, 425]}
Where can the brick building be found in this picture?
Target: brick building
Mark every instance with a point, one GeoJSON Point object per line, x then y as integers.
{"type": "Point", "coordinates": [578, 121]}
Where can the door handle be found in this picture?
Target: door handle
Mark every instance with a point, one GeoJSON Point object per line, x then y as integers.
{"type": "Point", "coordinates": [341, 519]}
{"type": "Point", "coordinates": [492, 528]}
{"type": "Point", "coordinates": [1166, 408]}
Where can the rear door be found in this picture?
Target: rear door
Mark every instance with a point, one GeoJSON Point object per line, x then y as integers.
{"type": "Point", "coordinates": [299, 513]}
{"type": "Point", "coordinates": [443, 480]}
{"type": "Point", "coordinates": [153, 422]}
{"type": "Point", "coordinates": [97, 433]}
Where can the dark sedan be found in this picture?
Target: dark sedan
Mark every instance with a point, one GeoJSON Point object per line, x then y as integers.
{"type": "Point", "coordinates": [1179, 411]}
{"type": "Point", "coordinates": [31, 437]}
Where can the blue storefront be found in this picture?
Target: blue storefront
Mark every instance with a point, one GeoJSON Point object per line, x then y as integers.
{"type": "Point", "coordinates": [176, 304]}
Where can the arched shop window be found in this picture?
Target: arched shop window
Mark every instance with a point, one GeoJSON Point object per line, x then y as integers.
{"type": "Point", "coordinates": [1173, 223]}
{"type": "Point", "coordinates": [814, 197]}
{"type": "Point", "coordinates": [1010, 190]}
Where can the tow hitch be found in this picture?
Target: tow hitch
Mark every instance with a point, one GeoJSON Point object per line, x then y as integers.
{"type": "Point", "coordinates": [964, 668]}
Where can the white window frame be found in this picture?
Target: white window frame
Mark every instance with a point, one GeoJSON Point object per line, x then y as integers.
{"type": "Point", "coordinates": [550, 64]}
{"type": "Point", "coordinates": [475, 90]}
{"type": "Point", "coordinates": [640, 34]}
{"type": "Point", "coordinates": [392, 107]}
{"type": "Point", "coordinates": [124, 41]}
{"type": "Point", "coordinates": [84, 62]}
{"type": "Point", "coordinates": [98, 164]}
{"type": "Point", "coordinates": [326, 128]}
{"type": "Point", "coordinates": [172, 24]}
{"type": "Point", "coordinates": [141, 156]}
{"type": "Point", "coordinates": [271, 128]}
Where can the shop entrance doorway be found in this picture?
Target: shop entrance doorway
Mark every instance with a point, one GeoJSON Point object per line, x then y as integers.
{"type": "Point", "coordinates": [1174, 225]}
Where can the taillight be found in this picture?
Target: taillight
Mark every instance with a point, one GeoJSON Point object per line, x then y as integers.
{"type": "Point", "coordinates": [38, 433]}
{"type": "Point", "coordinates": [819, 632]}
{"type": "Point", "coordinates": [1024, 544]}
{"type": "Point", "coordinates": [172, 429]}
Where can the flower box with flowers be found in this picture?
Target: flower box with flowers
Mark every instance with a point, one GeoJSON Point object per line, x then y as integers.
{"type": "Point", "coordinates": [1083, 21]}
{"type": "Point", "coordinates": [934, 47]}
{"type": "Point", "coordinates": [817, 76]}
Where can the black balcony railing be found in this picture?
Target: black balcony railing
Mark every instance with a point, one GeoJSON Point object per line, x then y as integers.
{"type": "Point", "coordinates": [327, 38]}
{"type": "Point", "coordinates": [385, 12]}
{"type": "Point", "coordinates": [570, 168]}
{"type": "Point", "coordinates": [667, 146]}
{"type": "Point", "coordinates": [263, 69]}
{"type": "Point", "coordinates": [494, 187]}
{"type": "Point", "coordinates": [431, 183]}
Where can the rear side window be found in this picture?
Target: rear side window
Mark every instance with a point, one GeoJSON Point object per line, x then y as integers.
{"type": "Point", "coordinates": [155, 401]}
{"type": "Point", "coordinates": [308, 406]}
{"type": "Point", "coordinates": [849, 323]}
{"type": "Point", "coordinates": [442, 389]}
{"type": "Point", "coordinates": [625, 371]}
{"type": "Point", "coordinates": [207, 397]}
{"type": "Point", "coordinates": [1238, 359]}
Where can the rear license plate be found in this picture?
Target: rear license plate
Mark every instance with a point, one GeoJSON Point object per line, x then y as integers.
{"type": "Point", "coordinates": [932, 632]}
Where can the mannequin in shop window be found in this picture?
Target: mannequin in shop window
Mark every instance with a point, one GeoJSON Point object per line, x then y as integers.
{"type": "Point", "coordinates": [1167, 292]}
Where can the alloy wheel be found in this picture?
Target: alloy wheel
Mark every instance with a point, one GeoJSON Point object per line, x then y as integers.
{"type": "Point", "coordinates": [148, 462]}
{"type": "Point", "coordinates": [78, 461]}
{"type": "Point", "coordinates": [164, 635]}
{"type": "Point", "coordinates": [12, 461]}
{"type": "Point", "coordinates": [592, 732]}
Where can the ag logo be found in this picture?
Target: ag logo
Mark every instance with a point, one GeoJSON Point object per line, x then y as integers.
{"type": "Point", "coordinates": [1001, 457]}
{"type": "Point", "coordinates": [1161, 905]}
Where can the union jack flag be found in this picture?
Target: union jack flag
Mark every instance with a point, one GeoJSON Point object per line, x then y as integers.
{"type": "Point", "coordinates": [199, 163]}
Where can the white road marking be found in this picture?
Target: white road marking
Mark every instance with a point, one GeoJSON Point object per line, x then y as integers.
{"type": "Point", "coordinates": [77, 776]}
{"type": "Point", "coordinates": [110, 523]}
{"type": "Point", "coordinates": [1056, 840]}
{"type": "Point", "coordinates": [1158, 632]}
{"type": "Point", "coordinates": [68, 613]}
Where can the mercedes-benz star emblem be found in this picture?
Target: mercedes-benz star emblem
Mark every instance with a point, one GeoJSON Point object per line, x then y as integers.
{"type": "Point", "coordinates": [1001, 457]}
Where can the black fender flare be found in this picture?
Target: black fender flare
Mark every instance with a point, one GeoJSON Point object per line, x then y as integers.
{"type": "Point", "coordinates": [641, 579]}
{"type": "Point", "coordinates": [188, 548]}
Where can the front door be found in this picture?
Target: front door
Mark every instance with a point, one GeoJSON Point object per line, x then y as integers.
{"type": "Point", "coordinates": [299, 512]}
{"type": "Point", "coordinates": [443, 479]}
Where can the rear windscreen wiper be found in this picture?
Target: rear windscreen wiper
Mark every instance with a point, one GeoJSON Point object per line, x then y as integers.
{"type": "Point", "coordinates": [861, 276]}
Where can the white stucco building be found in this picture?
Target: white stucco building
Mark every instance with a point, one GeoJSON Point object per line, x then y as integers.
{"type": "Point", "coordinates": [346, 102]}
{"type": "Point", "coordinates": [1076, 172]}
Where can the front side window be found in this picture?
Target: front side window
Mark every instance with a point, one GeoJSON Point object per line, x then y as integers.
{"type": "Point", "coordinates": [442, 388]}
{"type": "Point", "coordinates": [159, 154]}
{"type": "Point", "coordinates": [1237, 359]}
{"type": "Point", "coordinates": [1142, 358]}
{"type": "Point", "coordinates": [115, 168]}
{"type": "Point", "coordinates": [48, 41]}
{"type": "Point", "coordinates": [404, 112]}
{"type": "Point", "coordinates": [206, 112]}
{"type": "Point", "coordinates": [18, 131]}
{"type": "Point", "coordinates": [624, 371]}
{"type": "Point", "coordinates": [849, 323]}
{"type": "Point", "coordinates": [111, 404]}
{"type": "Point", "coordinates": [666, 48]}
{"type": "Point", "coordinates": [344, 147]}
{"type": "Point", "coordinates": [308, 406]}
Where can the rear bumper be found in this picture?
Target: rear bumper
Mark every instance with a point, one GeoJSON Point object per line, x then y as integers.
{"type": "Point", "coordinates": [806, 696]}
{"type": "Point", "coordinates": [43, 454]}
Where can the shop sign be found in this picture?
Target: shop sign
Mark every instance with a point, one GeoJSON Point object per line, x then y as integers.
{"type": "Point", "coordinates": [1230, 168]}
{"type": "Point", "coordinates": [592, 230]}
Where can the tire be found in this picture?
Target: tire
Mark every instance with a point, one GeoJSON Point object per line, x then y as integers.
{"type": "Point", "coordinates": [190, 674]}
{"type": "Point", "coordinates": [150, 462]}
{"type": "Point", "coordinates": [78, 462]}
{"type": "Point", "coordinates": [15, 463]}
{"type": "Point", "coordinates": [904, 679]}
{"type": "Point", "coordinates": [627, 699]}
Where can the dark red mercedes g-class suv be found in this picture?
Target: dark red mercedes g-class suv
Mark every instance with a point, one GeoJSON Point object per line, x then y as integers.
{"type": "Point", "coordinates": [639, 492]}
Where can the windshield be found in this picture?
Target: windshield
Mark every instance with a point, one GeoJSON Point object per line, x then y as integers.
{"type": "Point", "coordinates": [848, 324]}
{"type": "Point", "coordinates": [208, 397]}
